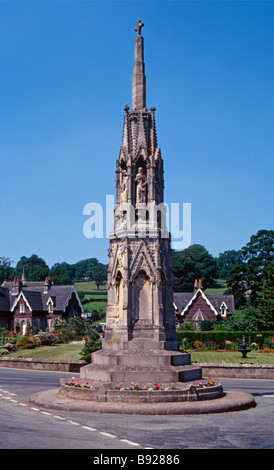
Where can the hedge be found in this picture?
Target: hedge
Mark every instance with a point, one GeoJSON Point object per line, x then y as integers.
{"type": "Point", "coordinates": [221, 336]}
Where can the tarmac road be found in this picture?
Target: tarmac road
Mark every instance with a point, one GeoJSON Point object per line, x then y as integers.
{"type": "Point", "coordinates": [24, 426]}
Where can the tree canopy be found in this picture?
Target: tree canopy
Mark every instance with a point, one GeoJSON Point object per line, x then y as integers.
{"type": "Point", "coordinates": [35, 268]}
{"type": "Point", "coordinates": [245, 278]}
{"type": "Point", "coordinates": [195, 262]}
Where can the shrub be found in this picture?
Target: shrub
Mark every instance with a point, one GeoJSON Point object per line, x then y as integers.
{"type": "Point", "coordinates": [13, 339]}
{"type": "Point", "coordinates": [77, 328]}
{"type": "Point", "coordinates": [91, 346]}
{"type": "Point", "coordinates": [197, 344]}
{"type": "Point", "coordinates": [187, 325]}
{"type": "Point", "coordinates": [25, 343]}
{"type": "Point", "coordinates": [185, 345]}
{"type": "Point", "coordinates": [210, 345]}
{"type": "Point", "coordinates": [57, 323]}
{"type": "Point", "coordinates": [3, 352]}
{"type": "Point", "coordinates": [47, 339]}
{"type": "Point", "coordinates": [66, 335]}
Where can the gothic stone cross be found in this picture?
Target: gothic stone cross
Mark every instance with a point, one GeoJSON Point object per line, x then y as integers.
{"type": "Point", "coordinates": [139, 26]}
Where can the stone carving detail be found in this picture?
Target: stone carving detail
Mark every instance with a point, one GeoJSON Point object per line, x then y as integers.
{"type": "Point", "coordinates": [141, 186]}
{"type": "Point", "coordinates": [124, 193]}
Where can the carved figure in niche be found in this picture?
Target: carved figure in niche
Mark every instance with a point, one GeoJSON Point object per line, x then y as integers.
{"type": "Point", "coordinates": [124, 186]}
{"type": "Point", "coordinates": [141, 186]}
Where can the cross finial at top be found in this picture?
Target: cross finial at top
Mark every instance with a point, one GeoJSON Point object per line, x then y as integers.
{"type": "Point", "coordinates": [139, 26]}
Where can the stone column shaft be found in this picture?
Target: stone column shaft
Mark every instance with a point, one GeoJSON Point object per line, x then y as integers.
{"type": "Point", "coordinates": [138, 79]}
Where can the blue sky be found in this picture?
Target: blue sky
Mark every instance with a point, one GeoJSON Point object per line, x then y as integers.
{"type": "Point", "coordinates": [66, 69]}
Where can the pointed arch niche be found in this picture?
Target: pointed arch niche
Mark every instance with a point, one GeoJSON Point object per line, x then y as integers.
{"type": "Point", "coordinates": [143, 297]}
{"type": "Point", "coordinates": [119, 292]}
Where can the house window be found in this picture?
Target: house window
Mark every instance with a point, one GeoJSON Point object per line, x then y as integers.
{"type": "Point", "coordinates": [50, 307]}
{"type": "Point", "coordinates": [22, 308]}
{"type": "Point", "coordinates": [223, 309]}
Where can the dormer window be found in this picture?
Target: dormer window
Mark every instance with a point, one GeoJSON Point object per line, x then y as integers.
{"type": "Point", "coordinates": [223, 309]}
{"type": "Point", "coordinates": [50, 305]}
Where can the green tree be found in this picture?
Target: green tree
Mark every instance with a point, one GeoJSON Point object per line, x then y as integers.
{"type": "Point", "coordinates": [35, 268]}
{"type": "Point", "coordinates": [195, 262]}
{"type": "Point", "coordinates": [226, 259]}
{"type": "Point", "coordinates": [266, 298]}
{"type": "Point", "coordinates": [98, 273]}
{"type": "Point", "coordinates": [6, 271]}
{"type": "Point", "coordinates": [81, 269]}
{"type": "Point", "coordinates": [257, 254]}
{"type": "Point", "coordinates": [236, 281]}
{"type": "Point", "coordinates": [59, 274]}
{"type": "Point", "coordinates": [248, 319]}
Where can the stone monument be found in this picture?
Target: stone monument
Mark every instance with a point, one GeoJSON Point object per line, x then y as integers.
{"type": "Point", "coordinates": [140, 341]}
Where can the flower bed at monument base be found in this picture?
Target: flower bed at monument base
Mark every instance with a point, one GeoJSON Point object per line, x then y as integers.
{"type": "Point", "coordinates": [135, 393]}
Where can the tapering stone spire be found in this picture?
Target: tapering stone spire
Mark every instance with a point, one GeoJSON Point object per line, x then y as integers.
{"type": "Point", "coordinates": [138, 79]}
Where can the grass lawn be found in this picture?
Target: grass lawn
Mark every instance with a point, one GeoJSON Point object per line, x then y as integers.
{"type": "Point", "coordinates": [98, 306]}
{"type": "Point", "coordinates": [253, 357]}
{"type": "Point", "coordinates": [59, 351]}
{"type": "Point", "coordinates": [219, 288]}
{"type": "Point", "coordinates": [71, 351]}
{"type": "Point", "coordinates": [90, 287]}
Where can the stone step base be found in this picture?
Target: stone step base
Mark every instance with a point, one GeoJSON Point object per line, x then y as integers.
{"type": "Point", "coordinates": [137, 358]}
{"type": "Point", "coordinates": [96, 374]}
{"type": "Point", "coordinates": [134, 366]}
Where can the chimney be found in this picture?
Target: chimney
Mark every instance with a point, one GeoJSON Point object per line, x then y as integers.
{"type": "Point", "coordinates": [16, 285]}
{"type": "Point", "coordinates": [196, 287]}
{"type": "Point", "coordinates": [47, 284]}
{"type": "Point", "coordinates": [23, 278]}
{"type": "Point", "coordinates": [200, 285]}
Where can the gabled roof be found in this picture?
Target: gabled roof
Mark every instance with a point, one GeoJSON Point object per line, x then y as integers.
{"type": "Point", "coordinates": [17, 299]}
{"type": "Point", "coordinates": [195, 295]}
{"type": "Point", "coordinates": [36, 297]}
{"type": "Point", "coordinates": [182, 301]}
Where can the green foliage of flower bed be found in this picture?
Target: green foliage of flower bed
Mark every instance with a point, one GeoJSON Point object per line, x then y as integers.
{"type": "Point", "coordinates": [188, 338]}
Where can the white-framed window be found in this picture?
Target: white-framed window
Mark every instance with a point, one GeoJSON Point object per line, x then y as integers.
{"type": "Point", "coordinates": [22, 308]}
{"type": "Point", "coordinates": [223, 309]}
{"type": "Point", "coordinates": [50, 306]}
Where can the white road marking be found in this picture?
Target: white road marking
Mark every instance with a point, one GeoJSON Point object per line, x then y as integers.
{"type": "Point", "coordinates": [129, 442]}
{"type": "Point", "coordinates": [88, 428]}
{"type": "Point", "coordinates": [107, 434]}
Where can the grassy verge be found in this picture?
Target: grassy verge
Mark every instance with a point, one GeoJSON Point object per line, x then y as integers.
{"type": "Point", "coordinates": [71, 351]}
{"type": "Point", "coordinates": [59, 351]}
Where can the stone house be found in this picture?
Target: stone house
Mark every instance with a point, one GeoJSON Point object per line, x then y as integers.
{"type": "Point", "coordinates": [198, 306]}
{"type": "Point", "coordinates": [28, 305]}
